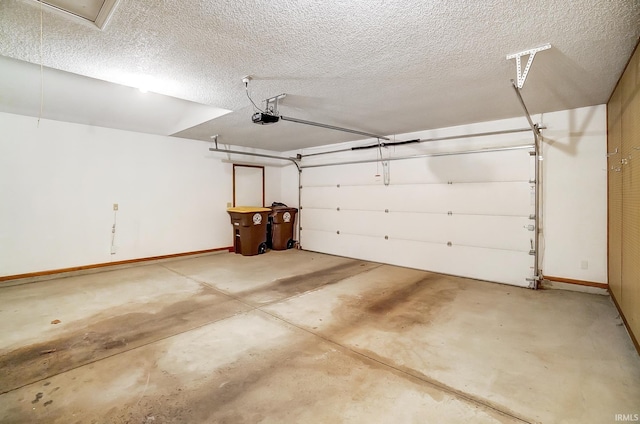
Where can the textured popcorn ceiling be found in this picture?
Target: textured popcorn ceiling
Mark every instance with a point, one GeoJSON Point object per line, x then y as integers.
{"type": "Point", "coordinates": [386, 67]}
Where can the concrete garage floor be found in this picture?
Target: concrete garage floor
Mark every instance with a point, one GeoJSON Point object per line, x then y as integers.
{"type": "Point", "coordinates": [301, 337]}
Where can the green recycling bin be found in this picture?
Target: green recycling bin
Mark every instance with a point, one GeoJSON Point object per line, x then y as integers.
{"type": "Point", "coordinates": [249, 229]}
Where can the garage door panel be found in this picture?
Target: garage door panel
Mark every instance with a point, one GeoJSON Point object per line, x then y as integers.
{"type": "Point", "coordinates": [368, 197]}
{"type": "Point", "coordinates": [513, 166]}
{"type": "Point", "coordinates": [496, 232]}
{"type": "Point", "coordinates": [320, 197]}
{"type": "Point", "coordinates": [320, 241]}
{"type": "Point", "coordinates": [509, 233]}
{"type": "Point", "coordinates": [477, 263]}
{"type": "Point", "coordinates": [348, 245]}
{"type": "Point", "coordinates": [466, 215]}
{"type": "Point", "coordinates": [319, 219]}
{"type": "Point", "coordinates": [359, 222]}
{"type": "Point", "coordinates": [490, 199]}
{"type": "Point", "coordinates": [510, 199]}
{"type": "Point", "coordinates": [363, 173]}
{"type": "Point", "coordinates": [432, 228]}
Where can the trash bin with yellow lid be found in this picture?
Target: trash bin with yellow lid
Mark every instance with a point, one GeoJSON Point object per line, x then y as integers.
{"type": "Point", "coordinates": [249, 229]}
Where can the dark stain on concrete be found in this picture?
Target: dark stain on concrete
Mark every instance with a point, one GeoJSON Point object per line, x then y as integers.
{"type": "Point", "coordinates": [396, 307]}
{"type": "Point", "coordinates": [38, 397]}
{"type": "Point", "coordinates": [104, 336]}
{"type": "Point", "coordinates": [388, 301]}
{"type": "Point", "coordinates": [284, 288]}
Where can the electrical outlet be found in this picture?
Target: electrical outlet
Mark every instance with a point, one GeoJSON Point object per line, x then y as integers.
{"type": "Point", "coordinates": [228, 204]}
{"type": "Point", "coordinates": [115, 206]}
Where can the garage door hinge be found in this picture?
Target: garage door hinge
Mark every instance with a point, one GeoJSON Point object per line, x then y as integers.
{"type": "Point", "coordinates": [533, 282]}
{"type": "Point", "coordinates": [450, 213]}
{"type": "Point", "coordinates": [532, 181]}
{"type": "Point", "coordinates": [532, 252]}
{"type": "Point", "coordinates": [532, 216]}
{"type": "Point", "coordinates": [531, 227]}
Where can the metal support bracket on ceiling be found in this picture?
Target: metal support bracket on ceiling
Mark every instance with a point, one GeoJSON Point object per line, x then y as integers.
{"type": "Point", "coordinates": [272, 103]}
{"type": "Point", "coordinates": [522, 76]}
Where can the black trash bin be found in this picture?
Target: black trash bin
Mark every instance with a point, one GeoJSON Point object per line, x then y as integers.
{"type": "Point", "coordinates": [282, 220]}
{"type": "Point", "coordinates": [249, 229]}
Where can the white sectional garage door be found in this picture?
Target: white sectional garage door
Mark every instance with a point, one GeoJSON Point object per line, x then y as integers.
{"type": "Point", "coordinates": [468, 215]}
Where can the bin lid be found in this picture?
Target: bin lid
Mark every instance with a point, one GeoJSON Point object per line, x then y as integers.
{"type": "Point", "coordinates": [280, 209]}
{"type": "Point", "coordinates": [248, 209]}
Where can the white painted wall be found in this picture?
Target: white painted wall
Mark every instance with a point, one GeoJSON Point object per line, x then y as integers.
{"type": "Point", "coordinates": [574, 223]}
{"type": "Point", "coordinates": [58, 182]}
{"type": "Point", "coordinates": [575, 193]}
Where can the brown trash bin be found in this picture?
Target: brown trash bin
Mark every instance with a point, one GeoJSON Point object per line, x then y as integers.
{"type": "Point", "coordinates": [282, 220]}
{"type": "Point", "coordinates": [249, 229]}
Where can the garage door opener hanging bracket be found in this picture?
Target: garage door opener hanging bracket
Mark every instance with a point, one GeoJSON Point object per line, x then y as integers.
{"type": "Point", "coordinates": [522, 75]}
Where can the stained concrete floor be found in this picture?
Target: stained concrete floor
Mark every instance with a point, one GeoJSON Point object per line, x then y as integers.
{"type": "Point", "coordinates": [301, 337]}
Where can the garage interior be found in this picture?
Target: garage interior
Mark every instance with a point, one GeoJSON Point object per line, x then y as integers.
{"type": "Point", "coordinates": [467, 242]}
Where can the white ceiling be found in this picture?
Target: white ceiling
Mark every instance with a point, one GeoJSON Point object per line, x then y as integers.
{"type": "Point", "coordinates": [386, 67]}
